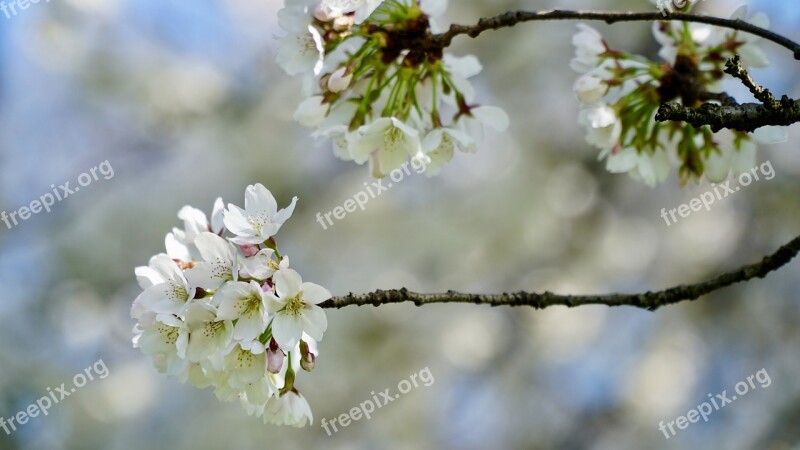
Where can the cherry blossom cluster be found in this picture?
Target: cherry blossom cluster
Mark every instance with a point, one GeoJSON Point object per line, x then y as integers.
{"type": "Point", "coordinates": [228, 312]}
{"type": "Point", "coordinates": [379, 88]}
{"type": "Point", "coordinates": [620, 94]}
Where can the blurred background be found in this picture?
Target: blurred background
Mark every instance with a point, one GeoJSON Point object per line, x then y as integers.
{"type": "Point", "coordinates": [186, 103]}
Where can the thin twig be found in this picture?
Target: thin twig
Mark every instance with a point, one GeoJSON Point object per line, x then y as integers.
{"type": "Point", "coordinates": [734, 68]}
{"type": "Point", "coordinates": [511, 18]}
{"type": "Point", "coordinates": [647, 300]}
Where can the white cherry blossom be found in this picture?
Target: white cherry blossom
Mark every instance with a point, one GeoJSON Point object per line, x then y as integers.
{"type": "Point", "coordinates": [290, 409]}
{"type": "Point", "coordinates": [260, 219]}
{"type": "Point", "coordinates": [220, 262]}
{"type": "Point", "coordinates": [296, 310]}
{"type": "Point", "coordinates": [246, 303]}
{"type": "Point", "coordinates": [170, 295]}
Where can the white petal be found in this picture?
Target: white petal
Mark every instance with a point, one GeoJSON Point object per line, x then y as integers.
{"type": "Point", "coordinates": [465, 66]}
{"type": "Point", "coordinates": [284, 214]}
{"type": "Point", "coordinates": [235, 220]}
{"type": "Point", "coordinates": [316, 317]}
{"type": "Point", "coordinates": [314, 293]}
{"type": "Point", "coordinates": [492, 116]}
{"type": "Point", "coordinates": [176, 249]}
{"type": "Point", "coordinates": [147, 276]}
{"type": "Point", "coordinates": [433, 8]}
{"type": "Point", "coordinates": [771, 135]}
{"type": "Point", "coordinates": [214, 248]}
{"type": "Point", "coordinates": [228, 297]}
{"type": "Point", "coordinates": [249, 327]}
{"type": "Point", "coordinates": [287, 283]}
{"type": "Point", "coordinates": [258, 198]}
{"type": "Point", "coordinates": [287, 331]}
{"type": "Point", "coordinates": [217, 224]}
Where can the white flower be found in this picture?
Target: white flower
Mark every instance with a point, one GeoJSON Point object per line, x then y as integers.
{"type": "Point", "coordinates": [473, 124]}
{"type": "Point", "coordinates": [719, 164]}
{"type": "Point", "coordinates": [589, 89]}
{"type": "Point", "coordinates": [163, 341]}
{"type": "Point", "coordinates": [751, 54]}
{"type": "Point", "coordinates": [459, 70]}
{"type": "Point", "coordinates": [771, 135]}
{"type": "Point", "coordinates": [296, 310]}
{"type": "Point", "coordinates": [243, 367]}
{"type": "Point", "coordinates": [362, 9]}
{"type": "Point", "coordinates": [301, 52]}
{"type": "Point", "coordinates": [434, 9]}
{"type": "Point", "coordinates": [246, 303]}
{"type": "Point", "coordinates": [180, 243]}
{"type": "Point", "coordinates": [669, 33]}
{"type": "Point", "coordinates": [386, 143]}
{"type": "Point", "coordinates": [589, 46]}
{"type": "Point", "coordinates": [340, 137]}
{"type": "Point", "coordinates": [208, 337]}
{"type": "Point", "coordinates": [261, 265]}
{"type": "Point", "coordinates": [312, 111]}
{"type": "Point", "coordinates": [216, 338]}
{"type": "Point", "coordinates": [200, 375]}
{"type": "Point", "coordinates": [146, 277]}
{"type": "Point", "coordinates": [603, 126]}
{"type": "Point", "coordinates": [333, 129]}
{"type": "Point", "coordinates": [290, 409]}
{"type": "Point", "coordinates": [170, 295]}
{"type": "Point", "coordinates": [295, 14]}
{"type": "Point", "coordinates": [260, 219]}
{"type": "Point", "coordinates": [219, 262]}
{"type": "Point", "coordinates": [651, 169]}
{"type": "Point", "coordinates": [438, 147]}
{"type": "Point", "coordinates": [740, 159]}
{"type": "Point", "coordinates": [255, 395]}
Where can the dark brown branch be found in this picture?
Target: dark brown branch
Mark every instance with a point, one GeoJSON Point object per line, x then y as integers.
{"type": "Point", "coordinates": [512, 18]}
{"type": "Point", "coordinates": [647, 300]}
{"type": "Point", "coordinates": [747, 117]}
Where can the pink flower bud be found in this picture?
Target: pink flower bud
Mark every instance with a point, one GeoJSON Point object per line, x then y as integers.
{"type": "Point", "coordinates": [275, 357]}
{"type": "Point", "coordinates": [339, 80]}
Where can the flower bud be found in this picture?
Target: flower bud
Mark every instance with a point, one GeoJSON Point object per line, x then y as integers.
{"type": "Point", "coordinates": [275, 357]}
{"type": "Point", "coordinates": [307, 359]}
{"type": "Point", "coordinates": [339, 80]}
{"type": "Point", "coordinates": [249, 249]}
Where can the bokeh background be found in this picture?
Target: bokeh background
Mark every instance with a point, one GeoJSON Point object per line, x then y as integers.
{"type": "Point", "coordinates": [186, 103]}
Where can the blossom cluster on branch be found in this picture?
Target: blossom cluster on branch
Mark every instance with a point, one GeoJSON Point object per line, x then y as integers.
{"type": "Point", "coordinates": [221, 307]}
{"type": "Point", "coordinates": [379, 88]}
{"type": "Point", "coordinates": [621, 94]}
{"type": "Point", "coordinates": [228, 312]}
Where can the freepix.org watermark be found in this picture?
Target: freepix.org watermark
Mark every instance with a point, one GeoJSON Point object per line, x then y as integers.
{"type": "Point", "coordinates": [13, 7]}
{"type": "Point", "coordinates": [668, 6]}
{"type": "Point", "coordinates": [47, 200]}
{"type": "Point", "coordinates": [715, 403]}
{"type": "Point", "coordinates": [719, 191]}
{"type": "Point", "coordinates": [372, 191]}
{"type": "Point", "coordinates": [366, 408]}
{"type": "Point", "coordinates": [54, 396]}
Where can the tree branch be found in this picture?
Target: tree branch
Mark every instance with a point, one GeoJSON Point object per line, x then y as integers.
{"type": "Point", "coordinates": [512, 18]}
{"type": "Point", "coordinates": [747, 117]}
{"type": "Point", "coordinates": [648, 300]}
